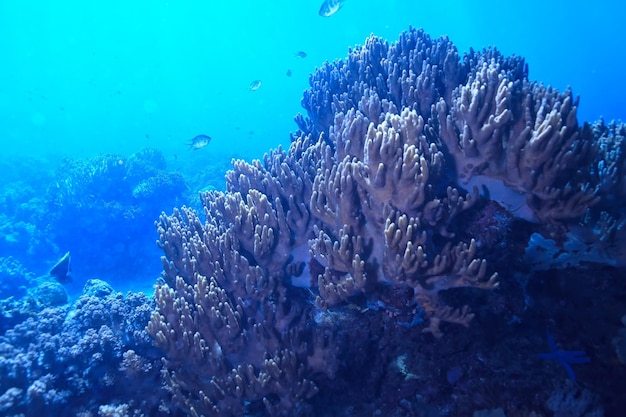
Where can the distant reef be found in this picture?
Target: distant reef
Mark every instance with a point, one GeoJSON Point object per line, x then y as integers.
{"type": "Point", "coordinates": [101, 209]}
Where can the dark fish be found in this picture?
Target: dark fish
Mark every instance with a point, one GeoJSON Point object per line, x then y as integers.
{"type": "Point", "coordinates": [330, 7]}
{"type": "Point", "coordinates": [300, 54]}
{"type": "Point", "coordinates": [255, 85]}
{"type": "Point", "coordinates": [199, 142]}
{"type": "Point", "coordinates": [62, 270]}
{"type": "Point", "coordinates": [289, 73]}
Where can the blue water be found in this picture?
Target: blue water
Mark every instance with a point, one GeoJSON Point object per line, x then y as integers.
{"type": "Point", "coordinates": [80, 79]}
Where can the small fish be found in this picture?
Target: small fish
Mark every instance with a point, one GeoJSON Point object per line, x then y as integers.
{"type": "Point", "coordinates": [330, 7]}
{"type": "Point", "coordinates": [255, 85]}
{"type": "Point", "coordinates": [62, 270]}
{"type": "Point", "coordinates": [300, 54]}
{"type": "Point", "coordinates": [289, 73]}
{"type": "Point", "coordinates": [199, 142]}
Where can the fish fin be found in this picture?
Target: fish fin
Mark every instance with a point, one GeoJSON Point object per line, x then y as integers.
{"type": "Point", "coordinates": [62, 270]}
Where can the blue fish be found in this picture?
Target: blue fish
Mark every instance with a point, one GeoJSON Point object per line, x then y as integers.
{"type": "Point", "coordinates": [330, 7]}
{"type": "Point", "coordinates": [199, 142]}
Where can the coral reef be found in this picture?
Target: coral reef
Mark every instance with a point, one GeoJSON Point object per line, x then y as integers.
{"type": "Point", "coordinates": [89, 195]}
{"type": "Point", "coordinates": [424, 190]}
{"type": "Point", "coordinates": [23, 296]}
{"type": "Point", "coordinates": [82, 208]}
{"type": "Point", "coordinates": [226, 321]}
{"type": "Point", "coordinates": [22, 196]}
{"type": "Point", "coordinates": [14, 278]}
{"type": "Point", "coordinates": [374, 213]}
{"type": "Point", "coordinates": [80, 359]}
{"type": "Point", "coordinates": [50, 294]}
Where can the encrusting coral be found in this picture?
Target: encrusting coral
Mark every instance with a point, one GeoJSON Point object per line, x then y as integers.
{"type": "Point", "coordinates": [368, 200]}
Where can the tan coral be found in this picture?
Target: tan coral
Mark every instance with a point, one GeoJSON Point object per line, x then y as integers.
{"type": "Point", "coordinates": [377, 212]}
{"type": "Point", "coordinates": [522, 134]}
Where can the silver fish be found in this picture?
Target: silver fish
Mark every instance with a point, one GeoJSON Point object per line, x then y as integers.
{"type": "Point", "coordinates": [199, 142]}
{"type": "Point", "coordinates": [62, 270]}
{"type": "Point", "coordinates": [255, 85]}
{"type": "Point", "coordinates": [330, 7]}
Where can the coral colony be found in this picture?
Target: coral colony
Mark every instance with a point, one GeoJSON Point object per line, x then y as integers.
{"type": "Point", "coordinates": [377, 267]}
{"type": "Point", "coordinates": [368, 200]}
